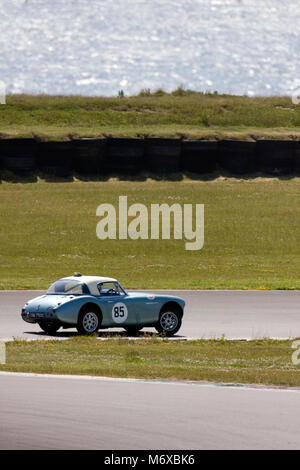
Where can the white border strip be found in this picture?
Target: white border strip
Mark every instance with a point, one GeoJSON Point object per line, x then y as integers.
{"type": "Point", "coordinates": [238, 386]}
{"type": "Point", "coordinates": [136, 338]}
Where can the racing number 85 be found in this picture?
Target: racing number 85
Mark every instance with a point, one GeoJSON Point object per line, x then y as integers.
{"type": "Point", "coordinates": [119, 311]}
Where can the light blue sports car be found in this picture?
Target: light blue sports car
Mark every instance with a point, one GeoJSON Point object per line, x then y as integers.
{"type": "Point", "coordinates": [90, 303]}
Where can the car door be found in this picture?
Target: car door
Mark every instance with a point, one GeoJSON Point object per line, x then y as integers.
{"type": "Point", "coordinates": [118, 308]}
{"type": "Point", "coordinates": [147, 308]}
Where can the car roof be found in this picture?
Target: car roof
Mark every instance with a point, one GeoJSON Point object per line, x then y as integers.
{"type": "Point", "coordinates": [91, 281]}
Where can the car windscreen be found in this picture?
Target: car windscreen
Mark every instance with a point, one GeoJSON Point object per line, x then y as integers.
{"type": "Point", "coordinates": [67, 287]}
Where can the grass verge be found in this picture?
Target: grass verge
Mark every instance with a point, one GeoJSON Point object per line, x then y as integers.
{"type": "Point", "coordinates": [252, 233]}
{"type": "Point", "coordinates": [181, 114]}
{"type": "Point", "coordinates": [255, 362]}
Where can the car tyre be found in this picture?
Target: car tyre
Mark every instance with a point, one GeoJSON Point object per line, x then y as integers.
{"type": "Point", "coordinates": [169, 322]}
{"type": "Point", "coordinates": [88, 321]}
{"type": "Point", "coordinates": [49, 329]}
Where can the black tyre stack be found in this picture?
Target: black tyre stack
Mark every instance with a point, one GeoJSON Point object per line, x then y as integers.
{"type": "Point", "coordinates": [125, 156]}
{"type": "Point", "coordinates": [237, 157]}
{"type": "Point", "coordinates": [163, 155]}
{"type": "Point", "coordinates": [297, 157]}
{"type": "Point", "coordinates": [55, 159]}
{"type": "Point", "coordinates": [276, 156]}
{"type": "Point", "coordinates": [199, 156]}
{"type": "Point", "coordinates": [18, 156]}
{"type": "Point", "coordinates": [89, 156]}
{"type": "Point", "coordinates": [99, 157]}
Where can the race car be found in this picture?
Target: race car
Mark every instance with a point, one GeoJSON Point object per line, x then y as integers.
{"type": "Point", "coordinates": [90, 303]}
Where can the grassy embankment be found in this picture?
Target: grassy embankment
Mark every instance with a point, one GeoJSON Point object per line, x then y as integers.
{"type": "Point", "coordinates": [252, 233]}
{"type": "Point", "coordinates": [255, 362]}
{"type": "Point", "coordinates": [179, 114]}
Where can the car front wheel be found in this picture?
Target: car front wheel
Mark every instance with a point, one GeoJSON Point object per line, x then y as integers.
{"type": "Point", "coordinates": [88, 322]}
{"type": "Point", "coordinates": [169, 321]}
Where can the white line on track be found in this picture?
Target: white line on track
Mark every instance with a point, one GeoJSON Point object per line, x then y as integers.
{"type": "Point", "coordinates": [263, 388]}
{"type": "Point", "coordinates": [136, 338]}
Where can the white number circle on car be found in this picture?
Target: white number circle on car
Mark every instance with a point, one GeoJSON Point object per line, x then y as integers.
{"type": "Point", "coordinates": [119, 313]}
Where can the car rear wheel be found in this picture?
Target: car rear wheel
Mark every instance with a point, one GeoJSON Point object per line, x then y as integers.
{"type": "Point", "coordinates": [88, 322]}
{"type": "Point", "coordinates": [169, 321]}
{"type": "Point", "coordinates": [49, 329]}
{"type": "Point", "coordinates": [133, 330]}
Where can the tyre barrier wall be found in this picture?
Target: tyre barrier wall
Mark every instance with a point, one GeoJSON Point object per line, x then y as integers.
{"type": "Point", "coordinates": [276, 157]}
{"type": "Point", "coordinates": [89, 156]}
{"type": "Point", "coordinates": [297, 157]}
{"type": "Point", "coordinates": [97, 157]}
{"type": "Point", "coordinates": [55, 158]}
{"type": "Point", "coordinates": [125, 156]}
{"type": "Point", "coordinates": [199, 156]}
{"type": "Point", "coordinates": [163, 155]}
{"type": "Point", "coordinates": [237, 157]}
{"type": "Point", "coordinates": [18, 156]}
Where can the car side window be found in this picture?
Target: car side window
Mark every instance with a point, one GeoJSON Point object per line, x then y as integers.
{"type": "Point", "coordinates": [85, 289]}
{"type": "Point", "coordinates": [108, 288]}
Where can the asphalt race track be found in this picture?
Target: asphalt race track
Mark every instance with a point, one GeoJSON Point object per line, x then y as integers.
{"type": "Point", "coordinates": [42, 412]}
{"type": "Point", "coordinates": [69, 413]}
{"type": "Point", "coordinates": [208, 314]}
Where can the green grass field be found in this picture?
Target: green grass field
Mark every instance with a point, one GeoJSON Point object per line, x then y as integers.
{"type": "Point", "coordinates": [254, 362]}
{"type": "Point", "coordinates": [179, 114]}
{"type": "Point", "coordinates": [252, 233]}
